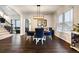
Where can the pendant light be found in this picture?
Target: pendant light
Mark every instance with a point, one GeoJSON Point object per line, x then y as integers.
{"type": "Point", "coordinates": [38, 14]}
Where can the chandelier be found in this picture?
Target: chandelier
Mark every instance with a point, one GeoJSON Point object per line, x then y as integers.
{"type": "Point", "coordinates": [38, 14]}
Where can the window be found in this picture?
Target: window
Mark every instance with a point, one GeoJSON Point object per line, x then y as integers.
{"type": "Point", "coordinates": [68, 20]}
{"type": "Point", "coordinates": [60, 22]}
{"type": "Point", "coordinates": [17, 23]}
{"type": "Point", "coordinates": [65, 21]}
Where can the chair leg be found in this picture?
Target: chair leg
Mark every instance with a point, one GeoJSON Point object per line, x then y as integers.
{"type": "Point", "coordinates": [36, 40]}
{"type": "Point", "coordinates": [44, 38]}
{"type": "Point", "coordinates": [51, 37]}
{"type": "Point", "coordinates": [42, 41]}
{"type": "Point", "coordinates": [33, 39]}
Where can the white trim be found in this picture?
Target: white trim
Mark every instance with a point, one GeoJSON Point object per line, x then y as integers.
{"type": "Point", "coordinates": [74, 48]}
{"type": "Point", "coordinates": [75, 32]}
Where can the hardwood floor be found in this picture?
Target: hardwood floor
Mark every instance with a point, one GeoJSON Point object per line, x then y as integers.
{"type": "Point", "coordinates": [17, 44]}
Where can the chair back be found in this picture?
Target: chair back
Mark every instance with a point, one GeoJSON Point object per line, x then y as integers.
{"type": "Point", "coordinates": [29, 33]}
{"type": "Point", "coordinates": [51, 30]}
{"type": "Point", "coordinates": [39, 32]}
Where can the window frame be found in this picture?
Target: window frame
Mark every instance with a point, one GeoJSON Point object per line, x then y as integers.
{"type": "Point", "coordinates": [63, 19]}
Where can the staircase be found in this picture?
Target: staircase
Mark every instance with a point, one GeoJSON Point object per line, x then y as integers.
{"type": "Point", "coordinates": [5, 31]}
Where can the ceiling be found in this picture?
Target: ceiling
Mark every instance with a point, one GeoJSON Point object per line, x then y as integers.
{"type": "Point", "coordinates": [27, 9]}
{"type": "Point", "coordinates": [14, 11]}
{"type": "Point", "coordinates": [9, 11]}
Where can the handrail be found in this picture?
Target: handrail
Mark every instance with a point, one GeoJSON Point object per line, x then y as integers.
{"type": "Point", "coordinates": [8, 22]}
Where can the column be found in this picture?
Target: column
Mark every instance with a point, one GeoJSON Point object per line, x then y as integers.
{"type": "Point", "coordinates": [22, 28]}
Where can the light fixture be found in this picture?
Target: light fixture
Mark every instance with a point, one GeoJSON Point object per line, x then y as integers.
{"type": "Point", "coordinates": [38, 17]}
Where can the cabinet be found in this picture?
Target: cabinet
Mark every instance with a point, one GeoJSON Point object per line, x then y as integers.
{"type": "Point", "coordinates": [75, 40]}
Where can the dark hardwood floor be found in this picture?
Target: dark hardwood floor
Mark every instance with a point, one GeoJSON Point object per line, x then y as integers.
{"type": "Point", "coordinates": [17, 44]}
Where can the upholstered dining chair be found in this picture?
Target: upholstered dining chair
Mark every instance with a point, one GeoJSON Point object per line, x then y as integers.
{"type": "Point", "coordinates": [29, 34]}
{"type": "Point", "coordinates": [39, 35]}
{"type": "Point", "coordinates": [48, 34]}
{"type": "Point", "coordinates": [52, 31]}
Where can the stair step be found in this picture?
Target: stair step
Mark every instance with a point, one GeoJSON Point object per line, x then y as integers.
{"type": "Point", "coordinates": [4, 33]}
{"type": "Point", "coordinates": [3, 30]}
{"type": "Point", "coordinates": [5, 36]}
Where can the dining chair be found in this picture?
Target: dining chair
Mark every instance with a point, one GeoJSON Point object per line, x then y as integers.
{"type": "Point", "coordinates": [48, 34]}
{"type": "Point", "coordinates": [52, 31]}
{"type": "Point", "coordinates": [39, 35]}
{"type": "Point", "coordinates": [29, 34]}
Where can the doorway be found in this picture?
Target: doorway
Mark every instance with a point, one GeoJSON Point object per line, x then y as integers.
{"type": "Point", "coordinates": [16, 26]}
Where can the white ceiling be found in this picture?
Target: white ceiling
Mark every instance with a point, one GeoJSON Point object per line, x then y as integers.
{"type": "Point", "coordinates": [9, 11]}
{"type": "Point", "coordinates": [27, 9]}
{"type": "Point", "coordinates": [15, 10]}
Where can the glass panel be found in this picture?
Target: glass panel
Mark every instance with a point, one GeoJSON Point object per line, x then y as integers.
{"type": "Point", "coordinates": [60, 18]}
{"type": "Point", "coordinates": [60, 22]}
{"type": "Point", "coordinates": [65, 21]}
{"type": "Point", "coordinates": [68, 20]}
{"type": "Point", "coordinates": [13, 22]}
{"type": "Point", "coordinates": [16, 26]}
{"type": "Point", "coordinates": [17, 23]}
